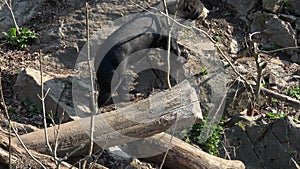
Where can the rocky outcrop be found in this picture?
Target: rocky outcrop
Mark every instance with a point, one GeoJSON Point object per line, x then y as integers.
{"type": "Point", "coordinates": [295, 6]}
{"type": "Point", "coordinates": [242, 6]}
{"type": "Point", "coordinates": [273, 6]}
{"type": "Point", "coordinates": [263, 145]}
{"type": "Point", "coordinates": [279, 33]}
{"type": "Point", "coordinates": [276, 32]}
{"type": "Point", "coordinates": [28, 86]}
{"type": "Point", "coordinates": [278, 23]}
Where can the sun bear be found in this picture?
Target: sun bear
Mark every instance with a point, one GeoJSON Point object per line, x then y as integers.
{"type": "Point", "coordinates": [146, 30]}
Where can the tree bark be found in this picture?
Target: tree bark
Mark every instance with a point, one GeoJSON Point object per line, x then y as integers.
{"type": "Point", "coordinates": [21, 159]}
{"type": "Point", "coordinates": [184, 155]}
{"type": "Point", "coordinates": [131, 123]}
{"type": "Point", "coordinates": [134, 123]}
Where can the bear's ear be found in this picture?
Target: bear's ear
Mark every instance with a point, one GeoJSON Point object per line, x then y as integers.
{"type": "Point", "coordinates": [188, 7]}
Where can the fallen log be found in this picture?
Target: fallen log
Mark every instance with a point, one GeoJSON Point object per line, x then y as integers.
{"type": "Point", "coordinates": [21, 159]}
{"type": "Point", "coordinates": [182, 103]}
{"type": "Point", "coordinates": [182, 154]}
{"type": "Point", "coordinates": [138, 120]}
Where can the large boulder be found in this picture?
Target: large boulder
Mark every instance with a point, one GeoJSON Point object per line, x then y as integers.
{"type": "Point", "coordinates": [273, 6]}
{"type": "Point", "coordinates": [28, 87]}
{"type": "Point", "coordinates": [242, 6]}
{"type": "Point", "coordinates": [295, 6]}
{"type": "Point", "coordinates": [276, 32]}
{"type": "Point", "coordinates": [279, 33]}
{"type": "Point", "coordinates": [261, 145]}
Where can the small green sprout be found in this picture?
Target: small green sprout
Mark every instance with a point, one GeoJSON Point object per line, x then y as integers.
{"type": "Point", "coordinates": [20, 40]}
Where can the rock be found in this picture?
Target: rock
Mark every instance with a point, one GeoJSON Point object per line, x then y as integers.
{"type": "Point", "coordinates": [136, 164]}
{"type": "Point", "coordinates": [28, 86]}
{"type": "Point", "coordinates": [255, 132]}
{"type": "Point", "coordinates": [276, 80]}
{"type": "Point", "coordinates": [23, 11]}
{"type": "Point", "coordinates": [259, 21]}
{"type": "Point", "coordinates": [21, 128]}
{"type": "Point", "coordinates": [234, 47]}
{"type": "Point", "coordinates": [242, 6]}
{"type": "Point", "coordinates": [288, 18]}
{"type": "Point", "coordinates": [295, 6]}
{"type": "Point", "coordinates": [240, 147]}
{"type": "Point", "coordinates": [276, 33]}
{"type": "Point", "coordinates": [271, 152]}
{"type": "Point", "coordinates": [276, 75]}
{"type": "Point", "coordinates": [273, 6]}
{"type": "Point", "coordinates": [265, 146]}
{"type": "Point", "coordinates": [296, 57]}
{"type": "Point", "coordinates": [297, 24]}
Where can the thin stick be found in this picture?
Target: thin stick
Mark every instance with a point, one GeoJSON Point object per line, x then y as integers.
{"type": "Point", "coordinates": [11, 127]}
{"type": "Point", "coordinates": [9, 124]}
{"type": "Point", "coordinates": [93, 106]}
{"type": "Point", "coordinates": [26, 149]}
{"type": "Point", "coordinates": [42, 98]}
{"type": "Point", "coordinates": [56, 130]}
{"type": "Point", "coordinates": [235, 71]}
{"type": "Point", "coordinates": [169, 70]}
{"type": "Point", "coordinates": [9, 6]}
{"type": "Point", "coordinates": [278, 50]}
{"type": "Point", "coordinates": [293, 102]}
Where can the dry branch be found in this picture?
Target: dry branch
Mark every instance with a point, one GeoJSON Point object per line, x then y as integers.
{"type": "Point", "coordinates": [110, 128]}
{"type": "Point", "coordinates": [184, 155]}
{"type": "Point", "coordinates": [293, 102]}
{"type": "Point", "coordinates": [21, 157]}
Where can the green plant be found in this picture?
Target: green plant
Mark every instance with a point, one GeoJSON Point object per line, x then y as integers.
{"type": "Point", "coordinates": [196, 136]}
{"type": "Point", "coordinates": [227, 13]}
{"type": "Point", "coordinates": [20, 40]}
{"type": "Point", "coordinates": [217, 37]}
{"type": "Point", "coordinates": [31, 108]}
{"type": "Point", "coordinates": [294, 92]}
{"type": "Point", "coordinates": [263, 83]}
{"type": "Point", "coordinates": [296, 121]}
{"type": "Point", "coordinates": [285, 4]}
{"type": "Point", "coordinates": [12, 109]}
{"type": "Point", "coordinates": [273, 100]}
{"type": "Point", "coordinates": [275, 115]}
{"type": "Point", "coordinates": [203, 71]}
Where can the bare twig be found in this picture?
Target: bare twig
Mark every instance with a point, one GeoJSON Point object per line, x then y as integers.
{"type": "Point", "coordinates": [92, 106]}
{"type": "Point", "coordinates": [293, 102]}
{"type": "Point", "coordinates": [81, 146]}
{"type": "Point", "coordinates": [42, 98]}
{"type": "Point", "coordinates": [56, 130]}
{"type": "Point", "coordinates": [254, 50]}
{"type": "Point", "coordinates": [100, 151]}
{"type": "Point", "coordinates": [9, 6]}
{"type": "Point", "coordinates": [169, 44]}
{"type": "Point", "coordinates": [9, 124]}
{"type": "Point", "coordinates": [169, 69]}
{"type": "Point", "coordinates": [16, 133]}
{"type": "Point", "coordinates": [235, 71]}
{"type": "Point", "coordinates": [26, 149]}
{"type": "Point", "coordinates": [278, 50]}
